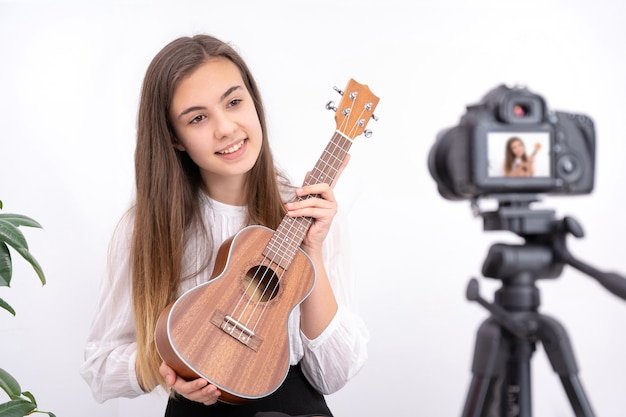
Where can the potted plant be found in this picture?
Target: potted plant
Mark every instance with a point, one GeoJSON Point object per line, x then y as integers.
{"type": "Point", "coordinates": [21, 403]}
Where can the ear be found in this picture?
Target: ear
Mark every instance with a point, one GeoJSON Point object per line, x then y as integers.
{"type": "Point", "coordinates": [177, 145]}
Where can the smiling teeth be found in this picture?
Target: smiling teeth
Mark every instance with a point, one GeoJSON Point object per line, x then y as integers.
{"type": "Point", "coordinates": [231, 149]}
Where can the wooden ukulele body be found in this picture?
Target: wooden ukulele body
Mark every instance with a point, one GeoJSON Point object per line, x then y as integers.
{"type": "Point", "coordinates": [232, 330]}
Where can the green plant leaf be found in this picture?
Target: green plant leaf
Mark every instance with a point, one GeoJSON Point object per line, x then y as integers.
{"type": "Point", "coordinates": [6, 306]}
{"type": "Point", "coordinates": [11, 235]}
{"type": "Point", "coordinates": [9, 384]}
{"type": "Point", "coordinates": [30, 396]}
{"type": "Point", "coordinates": [21, 403]}
{"type": "Point", "coordinates": [31, 260]}
{"type": "Point", "coordinates": [6, 266]}
{"type": "Point", "coordinates": [17, 408]}
{"type": "Point", "coordinates": [19, 220]}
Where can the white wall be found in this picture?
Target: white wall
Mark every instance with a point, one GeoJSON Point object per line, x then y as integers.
{"type": "Point", "coordinates": [70, 74]}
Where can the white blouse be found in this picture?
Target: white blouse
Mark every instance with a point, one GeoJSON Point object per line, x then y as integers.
{"type": "Point", "coordinates": [329, 361]}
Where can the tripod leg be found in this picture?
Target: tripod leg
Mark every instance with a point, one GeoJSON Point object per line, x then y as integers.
{"type": "Point", "coordinates": [490, 354]}
{"type": "Point", "coordinates": [561, 355]}
{"type": "Point", "coordinates": [516, 390]}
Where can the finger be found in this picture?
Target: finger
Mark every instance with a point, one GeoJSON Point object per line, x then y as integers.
{"type": "Point", "coordinates": [317, 213]}
{"type": "Point", "coordinates": [190, 388]}
{"type": "Point", "coordinates": [304, 206]}
{"type": "Point", "coordinates": [322, 190]}
{"type": "Point", "coordinates": [168, 374]}
{"type": "Point", "coordinates": [210, 395]}
{"type": "Point", "coordinates": [198, 390]}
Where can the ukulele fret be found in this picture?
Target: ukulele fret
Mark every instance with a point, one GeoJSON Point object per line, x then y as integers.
{"type": "Point", "coordinates": [329, 163]}
{"type": "Point", "coordinates": [288, 236]}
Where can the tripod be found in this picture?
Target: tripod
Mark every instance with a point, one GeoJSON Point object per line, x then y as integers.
{"type": "Point", "coordinates": [506, 341]}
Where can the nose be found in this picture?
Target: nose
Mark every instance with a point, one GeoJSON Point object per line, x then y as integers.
{"type": "Point", "coordinates": [225, 125]}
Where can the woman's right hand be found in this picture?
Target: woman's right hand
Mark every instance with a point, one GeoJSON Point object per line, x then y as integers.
{"type": "Point", "coordinates": [198, 390]}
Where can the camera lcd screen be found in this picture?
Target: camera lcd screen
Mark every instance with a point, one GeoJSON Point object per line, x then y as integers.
{"type": "Point", "coordinates": [518, 154]}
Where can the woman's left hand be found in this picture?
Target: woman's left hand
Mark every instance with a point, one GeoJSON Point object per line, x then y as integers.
{"type": "Point", "coordinates": [199, 390]}
{"type": "Point", "coordinates": [322, 207]}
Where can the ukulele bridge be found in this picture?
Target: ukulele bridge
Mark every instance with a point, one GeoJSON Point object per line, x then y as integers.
{"type": "Point", "coordinates": [236, 330]}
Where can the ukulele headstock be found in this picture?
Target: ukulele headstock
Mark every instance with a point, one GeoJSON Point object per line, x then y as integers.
{"type": "Point", "coordinates": [355, 109]}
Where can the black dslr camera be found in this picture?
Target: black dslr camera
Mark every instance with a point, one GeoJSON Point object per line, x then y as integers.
{"type": "Point", "coordinates": [510, 143]}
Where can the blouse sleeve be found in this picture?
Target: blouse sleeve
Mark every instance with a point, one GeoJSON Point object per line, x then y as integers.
{"type": "Point", "coordinates": [110, 351]}
{"type": "Point", "coordinates": [339, 353]}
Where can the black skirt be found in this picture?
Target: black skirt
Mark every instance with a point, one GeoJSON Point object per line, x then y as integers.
{"type": "Point", "coordinates": [295, 397]}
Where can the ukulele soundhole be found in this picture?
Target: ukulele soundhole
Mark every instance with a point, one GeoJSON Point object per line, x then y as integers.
{"type": "Point", "coordinates": [261, 283]}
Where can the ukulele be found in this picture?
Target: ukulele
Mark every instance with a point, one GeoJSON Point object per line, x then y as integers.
{"type": "Point", "coordinates": [232, 330]}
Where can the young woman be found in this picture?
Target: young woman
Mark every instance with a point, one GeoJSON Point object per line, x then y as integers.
{"type": "Point", "coordinates": [516, 162]}
{"type": "Point", "coordinates": [204, 170]}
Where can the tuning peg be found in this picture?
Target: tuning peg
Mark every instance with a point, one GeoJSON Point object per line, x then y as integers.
{"type": "Point", "coordinates": [337, 89]}
{"type": "Point", "coordinates": [367, 133]}
{"type": "Point", "coordinates": [331, 106]}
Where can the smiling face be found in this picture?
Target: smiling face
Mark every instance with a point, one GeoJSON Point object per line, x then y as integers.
{"type": "Point", "coordinates": [215, 121]}
{"type": "Point", "coordinates": [517, 148]}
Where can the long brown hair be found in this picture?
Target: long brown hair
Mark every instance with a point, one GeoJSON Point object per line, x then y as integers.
{"type": "Point", "coordinates": [510, 156]}
{"type": "Point", "coordinates": [168, 186]}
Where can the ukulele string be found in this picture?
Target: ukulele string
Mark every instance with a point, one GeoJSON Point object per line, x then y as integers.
{"type": "Point", "coordinates": [325, 171]}
{"type": "Point", "coordinates": [333, 160]}
{"type": "Point", "coordinates": [257, 296]}
{"type": "Point", "coordinates": [356, 124]}
{"type": "Point", "coordinates": [260, 274]}
{"type": "Point", "coordinates": [285, 245]}
{"type": "Point", "coordinates": [264, 274]}
{"type": "Point", "coordinates": [300, 220]}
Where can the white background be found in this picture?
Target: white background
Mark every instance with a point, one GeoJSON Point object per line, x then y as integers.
{"type": "Point", "coordinates": [70, 75]}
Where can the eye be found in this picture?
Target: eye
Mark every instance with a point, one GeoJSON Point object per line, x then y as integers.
{"type": "Point", "coordinates": [234, 102]}
{"type": "Point", "coordinates": [197, 119]}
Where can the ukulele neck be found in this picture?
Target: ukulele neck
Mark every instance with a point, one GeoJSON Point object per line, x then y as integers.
{"type": "Point", "coordinates": [290, 233]}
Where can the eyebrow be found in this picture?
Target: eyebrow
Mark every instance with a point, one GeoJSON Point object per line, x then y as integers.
{"type": "Point", "coordinates": [222, 97]}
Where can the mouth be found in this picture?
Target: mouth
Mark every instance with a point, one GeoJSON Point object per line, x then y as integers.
{"type": "Point", "coordinates": [232, 148]}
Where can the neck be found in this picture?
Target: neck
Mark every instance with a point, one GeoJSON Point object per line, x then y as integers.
{"type": "Point", "coordinates": [229, 191]}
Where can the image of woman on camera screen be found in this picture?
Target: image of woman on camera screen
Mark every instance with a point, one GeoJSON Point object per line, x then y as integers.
{"type": "Point", "coordinates": [516, 162]}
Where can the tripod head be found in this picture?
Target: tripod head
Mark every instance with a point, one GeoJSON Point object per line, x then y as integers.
{"type": "Point", "coordinates": [545, 251]}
